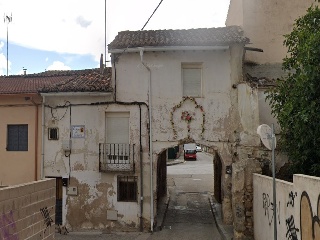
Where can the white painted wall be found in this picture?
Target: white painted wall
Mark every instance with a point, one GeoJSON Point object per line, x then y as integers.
{"type": "Point", "coordinates": [297, 202]}
{"type": "Point", "coordinates": [97, 191]}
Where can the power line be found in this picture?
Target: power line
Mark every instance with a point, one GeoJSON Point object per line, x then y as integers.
{"type": "Point", "coordinates": [151, 15]}
{"type": "Point", "coordinates": [134, 36]}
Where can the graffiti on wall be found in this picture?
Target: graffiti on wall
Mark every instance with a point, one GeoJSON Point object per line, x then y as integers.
{"type": "Point", "coordinates": [291, 229]}
{"type": "Point", "coordinates": [309, 222]}
{"type": "Point", "coordinates": [8, 228]}
{"type": "Point", "coordinates": [46, 217]}
{"type": "Point", "coordinates": [268, 208]}
{"type": "Point", "coordinates": [292, 196]}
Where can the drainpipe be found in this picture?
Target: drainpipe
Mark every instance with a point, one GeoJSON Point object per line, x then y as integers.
{"type": "Point", "coordinates": [141, 176]}
{"type": "Point", "coordinates": [36, 140]}
{"type": "Point", "coordinates": [42, 137]}
{"type": "Point", "coordinates": [150, 142]}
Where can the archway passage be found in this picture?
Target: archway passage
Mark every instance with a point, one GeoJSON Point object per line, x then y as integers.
{"type": "Point", "coordinates": [190, 185]}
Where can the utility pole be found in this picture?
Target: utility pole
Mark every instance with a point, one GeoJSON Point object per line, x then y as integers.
{"type": "Point", "coordinates": [7, 19]}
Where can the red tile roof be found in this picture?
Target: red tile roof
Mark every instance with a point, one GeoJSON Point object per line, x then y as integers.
{"type": "Point", "coordinates": [89, 81]}
{"type": "Point", "coordinates": [33, 83]}
{"type": "Point", "coordinates": [190, 37]}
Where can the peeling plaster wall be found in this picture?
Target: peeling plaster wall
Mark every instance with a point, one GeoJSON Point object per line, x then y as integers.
{"type": "Point", "coordinates": [97, 191]}
{"type": "Point", "coordinates": [230, 105]}
{"type": "Point", "coordinates": [265, 22]}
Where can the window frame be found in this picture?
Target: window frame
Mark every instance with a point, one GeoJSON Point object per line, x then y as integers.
{"type": "Point", "coordinates": [52, 136]}
{"type": "Point", "coordinates": [123, 191]}
{"type": "Point", "coordinates": [195, 65]}
{"type": "Point", "coordinates": [19, 148]}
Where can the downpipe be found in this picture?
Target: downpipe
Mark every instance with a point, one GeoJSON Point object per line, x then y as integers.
{"type": "Point", "coordinates": [150, 142]}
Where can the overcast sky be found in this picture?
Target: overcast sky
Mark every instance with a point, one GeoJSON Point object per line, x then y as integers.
{"type": "Point", "coordinates": [70, 34]}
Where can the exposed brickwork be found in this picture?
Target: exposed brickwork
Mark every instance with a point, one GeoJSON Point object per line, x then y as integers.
{"type": "Point", "coordinates": [27, 211]}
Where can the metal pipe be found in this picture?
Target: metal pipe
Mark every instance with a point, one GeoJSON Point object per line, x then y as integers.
{"type": "Point", "coordinates": [274, 183]}
{"type": "Point", "coordinates": [150, 141]}
{"type": "Point", "coordinates": [36, 140]}
{"type": "Point", "coordinates": [42, 137]}
{"type": "Point", "coordinates": [75, 94]}
{"type": "Point", "coordinates": [141, 176]}
{"type": "Point", "coordinates": [170, 48]}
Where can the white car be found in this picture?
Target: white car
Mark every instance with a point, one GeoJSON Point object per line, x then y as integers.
{"type": "Point", "coordinates": [198, 148]}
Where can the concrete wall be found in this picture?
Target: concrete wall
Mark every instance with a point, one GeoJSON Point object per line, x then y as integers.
{"type": "Point", "coordinates": [265, 22]}
{"type": "Point", "coordinates": [27, 211]}
{"type": "Point", "coordinates": [297, 208]}
{"type": "Point", "coordinates": [20, 166]}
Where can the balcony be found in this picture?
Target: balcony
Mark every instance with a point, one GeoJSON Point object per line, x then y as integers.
{"type": "Point", "coordinates": [116, 157]}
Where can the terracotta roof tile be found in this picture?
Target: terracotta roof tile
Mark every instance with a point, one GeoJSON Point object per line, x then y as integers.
{"type": "Point", "coordinates": [33, 83]}
{"type": "Point", "coordinates": [190, 37]}
{"type": "Point", "coordinates": [90, 81]}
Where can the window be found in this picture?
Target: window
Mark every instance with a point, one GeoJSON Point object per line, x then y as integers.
{"type": "Point", "coordinates": [117, 127]}
{"type": "Point", "coordinates": [127, 188]}
{"type": "Point", "coordinates": [17, 138]}
{"type": "Point", "coordinates": [191, 79]}
{"type": "Point", "coordinates": [53, 133]}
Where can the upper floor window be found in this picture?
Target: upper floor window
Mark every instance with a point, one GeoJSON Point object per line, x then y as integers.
{"type": "Point", "coordinates": [192, 79]}
{"type": "Point", "coordinates": [17, 138]}
{"type": "Point", "coordinates": [117, 127]}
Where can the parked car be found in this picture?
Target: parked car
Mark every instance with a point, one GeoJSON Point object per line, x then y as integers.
{"type": "Point", "coordinates": [198, 148]}
{"type": "Point", "coordinates": [190, 154]}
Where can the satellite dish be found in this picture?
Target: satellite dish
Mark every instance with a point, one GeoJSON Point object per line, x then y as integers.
{"type": "Point", "coordinates": [265, 133]}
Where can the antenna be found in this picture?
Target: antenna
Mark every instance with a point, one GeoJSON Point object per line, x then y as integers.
{"type": "Point", "coordinates": [7, 19]}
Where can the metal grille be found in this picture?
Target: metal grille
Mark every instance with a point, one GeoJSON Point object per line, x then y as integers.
{"type": "Point", "coordinates": [127, 188]}
{"type": "Point", "coordinates": [53, 134]}
{"type": "Point", "coordinates": [116, 157]}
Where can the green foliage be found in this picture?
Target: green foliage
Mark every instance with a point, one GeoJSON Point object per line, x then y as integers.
{"type": "Point", "coordinates": [295, 101]}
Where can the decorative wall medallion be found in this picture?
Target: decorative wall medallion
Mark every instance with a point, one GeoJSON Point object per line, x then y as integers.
{"type": "Point", "coordinates": [187, 116]}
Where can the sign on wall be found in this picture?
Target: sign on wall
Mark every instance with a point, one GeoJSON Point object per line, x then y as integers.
{"type": "Point", "coordinates": [78, 131]}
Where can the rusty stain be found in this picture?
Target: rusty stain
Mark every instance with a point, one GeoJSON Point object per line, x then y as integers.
{"type": "Point", "coordinates": [78, 167]}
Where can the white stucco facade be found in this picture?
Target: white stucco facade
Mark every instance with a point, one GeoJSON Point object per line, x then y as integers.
{"type": "Point", "coordinates": [224, 117]}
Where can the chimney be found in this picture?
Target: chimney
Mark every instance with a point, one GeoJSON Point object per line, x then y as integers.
{"type": "Point", "coordinates": [24, 71]}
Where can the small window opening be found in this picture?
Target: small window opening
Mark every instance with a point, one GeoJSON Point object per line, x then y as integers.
{"type": "Point", "coordinates": [127, 188]}
{"type": "Point", "coordinates": [53, 134]}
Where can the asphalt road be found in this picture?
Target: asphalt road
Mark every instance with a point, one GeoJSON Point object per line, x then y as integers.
{"type": "Point", "coordinates": [189, 214]}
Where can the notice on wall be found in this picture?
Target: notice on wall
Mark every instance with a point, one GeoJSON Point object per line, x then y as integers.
{"type": "Point", "coordinates": [78, 131]}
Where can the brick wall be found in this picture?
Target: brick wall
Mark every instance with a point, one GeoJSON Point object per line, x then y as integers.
{"type": "Point", "coordinates": [27, 211]}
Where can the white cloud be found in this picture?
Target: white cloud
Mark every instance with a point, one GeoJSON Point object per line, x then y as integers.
{"type": "Point", "coordinates": [47, 59]}
{"type": "Point", "coordinates": [3, 64]}
{"type": "Point", "coordinates": [78, 26]}
{"type": "Point", "coordinates": [57, 65]}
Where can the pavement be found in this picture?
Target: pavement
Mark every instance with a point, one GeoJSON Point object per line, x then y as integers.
{"type": "Point", "coordinates": [226, 231]}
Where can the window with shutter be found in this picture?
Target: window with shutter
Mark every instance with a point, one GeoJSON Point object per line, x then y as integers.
{"type": "Point", "coordinates": [191, 79]}
{"type": "Point", "coordinates": [117, 128]}
{"type": "Point", "coordinates": [17, 137]}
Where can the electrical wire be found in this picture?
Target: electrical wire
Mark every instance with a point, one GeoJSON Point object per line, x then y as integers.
{"type": "Point", "coordinates": [134, 36]}
{"type": "Point", "coordinates": [151, 15]}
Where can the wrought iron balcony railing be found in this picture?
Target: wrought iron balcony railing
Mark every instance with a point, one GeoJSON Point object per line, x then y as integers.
{"type": "Point", "coordinates": [116, 157]}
